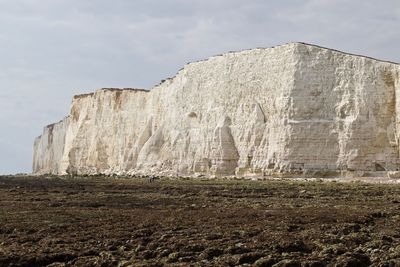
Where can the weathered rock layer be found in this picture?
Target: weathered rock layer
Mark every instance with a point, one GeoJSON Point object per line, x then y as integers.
{"type": "Point", "coordinates": [292, 108]}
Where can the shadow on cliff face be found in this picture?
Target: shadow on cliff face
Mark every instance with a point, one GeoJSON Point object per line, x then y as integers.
{"type": "Point", "coordinates": [121, 222]}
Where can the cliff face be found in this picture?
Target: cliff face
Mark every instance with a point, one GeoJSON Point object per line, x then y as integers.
{"type": "Point", "coordinates": [49, 148]}
{"type": "Point", "coordinates": [294, 107]}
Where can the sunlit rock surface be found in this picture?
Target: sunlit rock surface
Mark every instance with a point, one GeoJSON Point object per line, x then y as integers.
{"type": "Point", "coordinates": [295, 108]}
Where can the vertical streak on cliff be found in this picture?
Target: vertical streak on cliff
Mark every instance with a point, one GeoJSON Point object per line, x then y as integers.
{"type": "Point", "coordinates": [313, 140]}
{"type": "Point", "coordinates": [396, 74]}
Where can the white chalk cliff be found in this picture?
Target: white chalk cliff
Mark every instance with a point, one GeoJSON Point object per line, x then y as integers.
{"type": "Point", "coordinates": [289, 109]}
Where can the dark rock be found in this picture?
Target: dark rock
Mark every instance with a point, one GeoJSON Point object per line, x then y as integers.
{"type": "Point", "coordinates": [249, 258]}
{"type": "Point", "coordinates": [147, 255]}
{"type": "Point", "coordinates": [265, 261]}
{"type": "Point", "coordinates": [352, 260]}
{"type": "Point", "coordinates": [288, 263]}
{"type": "Point", "coordinates": [173, 257]}
{"type": "Point", "coordinates": [211, 253]}
{"type": "Point", "coordinates": [313, 264]}
{"type": "Point", "coordinates": [237, 250]}
{"type": "Point", "coordinates": [297, 246]}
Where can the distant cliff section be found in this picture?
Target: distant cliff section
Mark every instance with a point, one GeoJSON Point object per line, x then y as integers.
{"type": "Point", "coordinates": [292, 109]}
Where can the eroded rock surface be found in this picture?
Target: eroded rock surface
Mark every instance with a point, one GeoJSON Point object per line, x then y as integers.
{"type": "Point", "coordinates": [291, 108]}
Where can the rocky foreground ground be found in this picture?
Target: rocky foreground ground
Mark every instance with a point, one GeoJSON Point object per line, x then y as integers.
{"type": "Point", "coordinates": [131, 222]}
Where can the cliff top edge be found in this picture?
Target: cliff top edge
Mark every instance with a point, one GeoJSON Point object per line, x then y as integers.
{"type": "Point", "coordinates": [111, 90]}
{"type": "Point", "coordinates": [294, 44]}
{"type": "Point", "coordinates": [346, 53]}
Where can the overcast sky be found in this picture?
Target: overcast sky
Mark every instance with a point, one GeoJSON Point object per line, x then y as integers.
{"type": "Point", "coordinates": [53, 49]}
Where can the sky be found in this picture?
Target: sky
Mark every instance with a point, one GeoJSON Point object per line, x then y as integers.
{"type": "Point", "coordinates": [51, 50]}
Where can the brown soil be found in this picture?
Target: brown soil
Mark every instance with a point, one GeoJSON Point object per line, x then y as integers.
{"type": "Point", "coordinates": [131, 222]}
